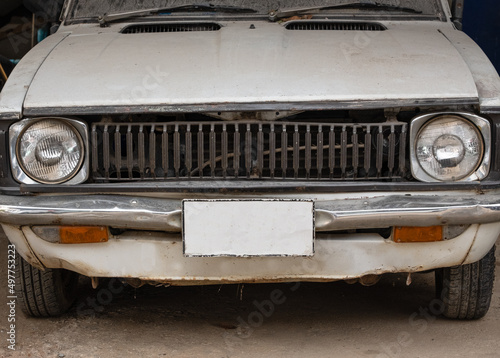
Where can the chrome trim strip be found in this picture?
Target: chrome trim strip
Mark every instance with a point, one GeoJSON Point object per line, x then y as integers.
{"type": "Point", "coordinates": [4, 116]}
{"type": "Point", "coordinates": [225, 187]}
{"type": "Point", "coordinates": [490, 110]}
{"type": "Point", "coordinates": [165, 214]}
{"type": "Point", "coordinates": [239, 107]}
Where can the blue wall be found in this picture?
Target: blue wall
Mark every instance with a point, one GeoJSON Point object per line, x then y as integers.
{"type": "Point", "coordinates": [482, 23]}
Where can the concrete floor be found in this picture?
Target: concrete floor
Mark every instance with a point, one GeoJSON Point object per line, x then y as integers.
{"type": "Point", "coordinates": [311, 320]}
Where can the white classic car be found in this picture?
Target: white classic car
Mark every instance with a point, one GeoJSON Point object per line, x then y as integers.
{"type": "Point", "coordinates": [166, 142]}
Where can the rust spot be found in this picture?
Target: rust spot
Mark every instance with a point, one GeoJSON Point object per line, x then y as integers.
{"type": "Point", "coordinates": [294, 18]}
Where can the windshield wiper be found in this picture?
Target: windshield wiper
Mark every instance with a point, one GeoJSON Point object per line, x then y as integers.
{"type": "Point", "coordinates": [369, 4]}
{"type": "Point", "coordinates": [107, 18]}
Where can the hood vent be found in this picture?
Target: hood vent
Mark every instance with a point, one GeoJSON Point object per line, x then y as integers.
{"type": "Point", "coordinates": [334, 26]}
{"type": "Point", "coordinates": [171, 27]}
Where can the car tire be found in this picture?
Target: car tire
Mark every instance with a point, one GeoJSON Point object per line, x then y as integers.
{"type": "Point", "coordinates": [47, 293]}
{"type": "Point", "coordinates": [466, 290]}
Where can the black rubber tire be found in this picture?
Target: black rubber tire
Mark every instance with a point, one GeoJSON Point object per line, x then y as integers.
{"type": "Point", "coordinates": [466, 290]}
{"type": "Point", "coordinates": [47, 293]}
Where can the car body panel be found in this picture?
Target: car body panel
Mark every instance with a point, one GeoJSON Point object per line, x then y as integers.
{"type": "Point", "coordinates": [484, 73]}
{"type": "Point", "coordinates": [158, 257]}
{"type": "Point", "coordinates": [91, 74]}
{"type": "Point", "coordinates": [241, 65]}
{"type": "Point", "coordinates": [13, 94]}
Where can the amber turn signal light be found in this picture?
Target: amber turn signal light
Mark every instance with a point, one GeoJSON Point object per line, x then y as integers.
{"type": "Point", "coordinates": [83, 234]}
{"type": "Point", "coordinates": [418, 234]}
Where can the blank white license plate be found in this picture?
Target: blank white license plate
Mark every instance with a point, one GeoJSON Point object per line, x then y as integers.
{"type": "Point", "coordinates": [248, 228]}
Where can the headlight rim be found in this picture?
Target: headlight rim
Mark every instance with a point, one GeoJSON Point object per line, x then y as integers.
{"type": "Point", "coordinates": [23, 176]}
{"type": "Point", "coordinates": [481, 124]}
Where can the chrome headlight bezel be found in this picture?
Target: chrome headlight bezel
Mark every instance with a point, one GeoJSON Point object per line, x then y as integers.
{"type": "Point", "coordinates": [481, 124]}
{"type": "Point", "coordinates": [17, 129]}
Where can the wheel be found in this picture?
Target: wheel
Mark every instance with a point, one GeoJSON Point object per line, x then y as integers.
{"type": "Point", "coordinates": [47, 293]}
{"type": "Point", "coordinates": [466, 290]}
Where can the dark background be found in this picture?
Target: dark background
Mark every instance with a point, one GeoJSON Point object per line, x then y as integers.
{"type": "Point", "coordinates": [482, 23]}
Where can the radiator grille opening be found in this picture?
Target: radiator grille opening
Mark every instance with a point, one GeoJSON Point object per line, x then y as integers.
{"type": "Point", "coordinates": [247, 150]}
{"type": "Point", "coordinates": [334, 26]}
{"type": "Point", "coordinates": [171, 27]}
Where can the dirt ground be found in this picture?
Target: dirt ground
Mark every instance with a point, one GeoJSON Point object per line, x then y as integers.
{"type": "Point", "coordinates": [316, 320]}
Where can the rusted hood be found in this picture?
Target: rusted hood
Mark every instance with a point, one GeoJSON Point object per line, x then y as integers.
{"type": "Point", "coordinates": [238, 64]}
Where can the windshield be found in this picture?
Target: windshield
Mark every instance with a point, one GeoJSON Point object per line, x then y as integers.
{"type": "Point", "coordinates": [88, 9]}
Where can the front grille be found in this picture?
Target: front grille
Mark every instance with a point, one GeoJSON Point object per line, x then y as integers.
{"type": "Point", "coordinates": [171, 27]}
{"type": "Point", "coordinates": [334, 26]}
{"type": "Point", "coordinates": [247, 150]}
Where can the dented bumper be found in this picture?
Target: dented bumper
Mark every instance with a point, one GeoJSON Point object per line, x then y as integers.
{"type": "Point", "coordinates": [150, 247]}
{"type": "Point", "coordinates": [333, 212]}
{"type": "Point", "coordinates": [158, 257]}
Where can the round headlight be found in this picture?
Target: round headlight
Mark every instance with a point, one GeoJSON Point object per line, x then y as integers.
{"type": "Point", "coordinates": [449, 148]}
{"type": "Point", "coordinates": [50, 151]}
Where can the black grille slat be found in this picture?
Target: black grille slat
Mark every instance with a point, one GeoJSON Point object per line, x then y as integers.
{"type": "Point", "coordinates": [319, 151]}
{"type": "Point", "coordinates": [236, 149]}
{"type": "Point", "coordinates": [343, 152]}
{"type": "Point", "coordinates": [164, 151]}
{"type": "Point", "coordinates": [272, 151]}
{"type": "Point", "coordinates": [225, 151]}
{"type": "Point", "coordinates": [142, 154]}
{"type": "Point", "coordinates": [392, 150]}
{"type": "Point", "coordinates": [95, 161]}
{"type": "Point", "coordinates": [331, 151]}
{"type": "Point", "coordinates": [260, 151]}
{"type": "Point", "coordinates": [284, 151]}
{"type": "Point", "coordinates": [152, 151]}
{"type": "Point", "coordinates": [308, 157]}
{"type": "Point", "coordinates": [118, 149]}
{"type": "Point", "coordinates": [355, 151]}
{"type": "Point", "coordinates": [247, 150]}
{"type": "Point", "coordinates": [334, 26]}
{"type": "Point", "coordinates": [380, 150]}
{"type": "Point", "coordinates": [130, 152]}
{"type": "Point", "coordinates": [368, 144]}
{"type": "Point", "coordinates": [201, 151]}
{"type": "Point", "coordinates": [177, 151]}
{"type": "Point", "coordinates": [296, 149]}
{"type": "Point", "coordinates": [402, 152]}
{"type": "Point", "coordinates": [213, 151]}
{"type": "Point", "coordinates": [171, 27]}
{"type": "Point", "coordinates": [107, 164]}
{"type": "Point", "coordinates": [189, 151]}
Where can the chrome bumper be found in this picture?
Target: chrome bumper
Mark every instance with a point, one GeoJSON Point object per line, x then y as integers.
{"type": "Point", "coordinates": [333, 212]}
{"type": "Point", "coordinates": [157, 255]}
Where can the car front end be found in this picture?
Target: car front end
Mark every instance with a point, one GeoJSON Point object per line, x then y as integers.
{"type": "Point", "coordinates": [212, 149]}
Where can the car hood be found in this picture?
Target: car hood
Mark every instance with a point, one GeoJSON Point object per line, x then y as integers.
{"type": "Point", "coordinates": [243, 65]}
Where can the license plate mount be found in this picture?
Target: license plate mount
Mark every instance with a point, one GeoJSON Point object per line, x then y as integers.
{"type": "Point", "coordinates": [248, 228]}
